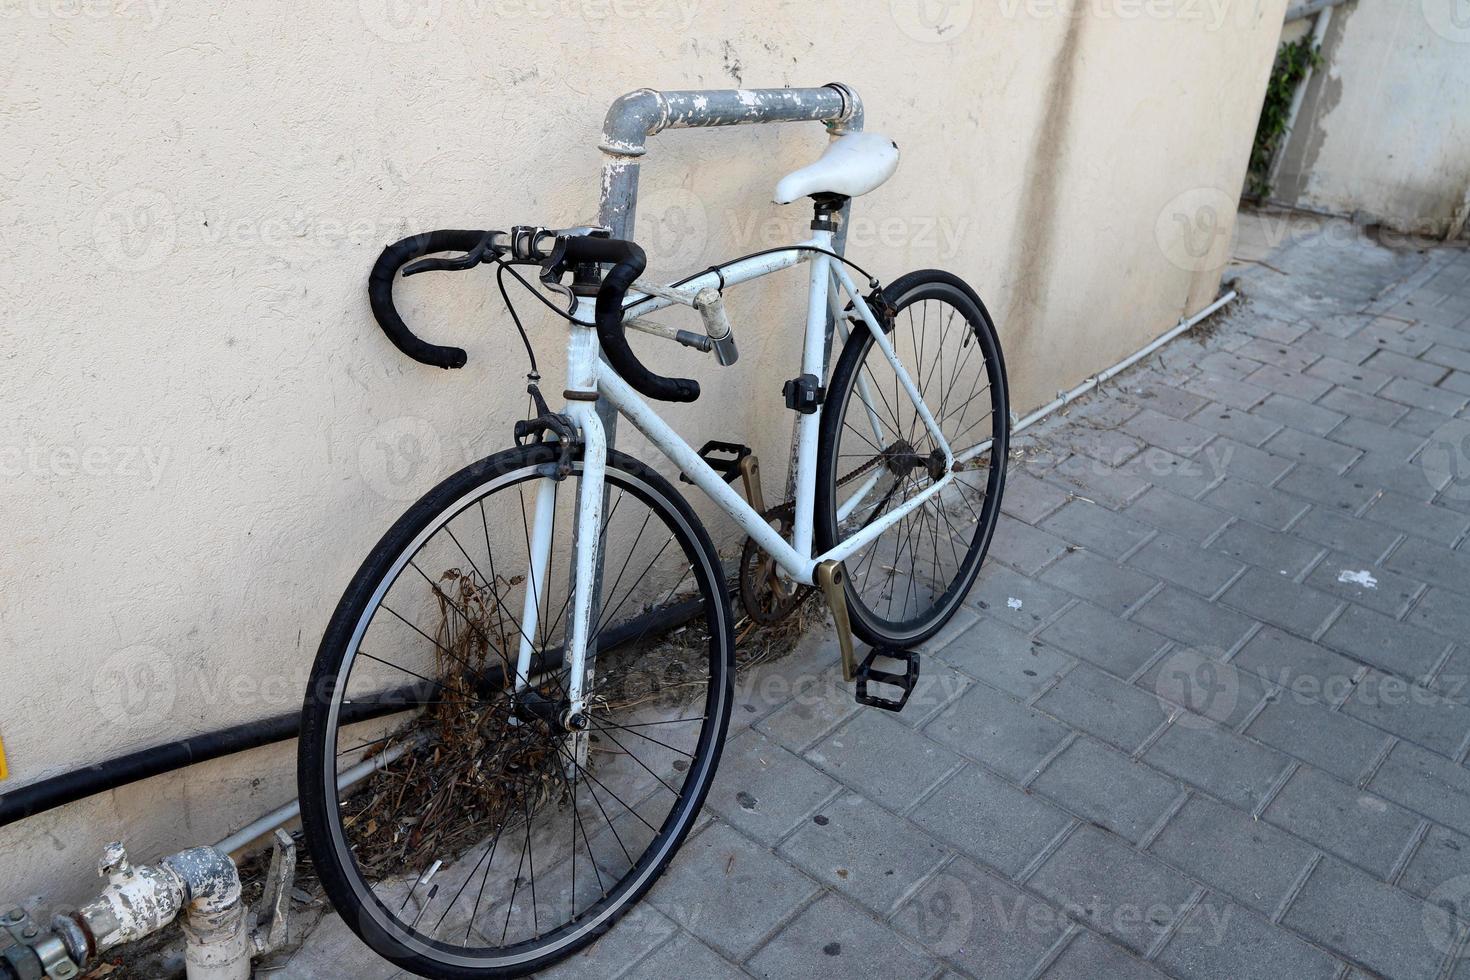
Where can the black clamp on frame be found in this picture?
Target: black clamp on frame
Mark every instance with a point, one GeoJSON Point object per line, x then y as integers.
{"type": "Point", "coordinates": [804, 394]}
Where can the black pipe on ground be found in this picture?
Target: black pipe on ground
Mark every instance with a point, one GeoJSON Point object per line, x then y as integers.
{"type": "Point", "coordinates": [48, 794]}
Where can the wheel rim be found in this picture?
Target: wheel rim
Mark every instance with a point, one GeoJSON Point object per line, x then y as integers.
{"type": "Point", "coordinates": [915, 573]}
{"type": "Point", "coordinates": [589, 835]}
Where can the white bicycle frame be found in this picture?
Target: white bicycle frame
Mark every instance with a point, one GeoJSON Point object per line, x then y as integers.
{"type": "Point", "coordinates": [589, 376]}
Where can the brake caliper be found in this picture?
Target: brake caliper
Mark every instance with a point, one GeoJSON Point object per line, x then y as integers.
{"type": "Point", "coordinates": [534, 430]}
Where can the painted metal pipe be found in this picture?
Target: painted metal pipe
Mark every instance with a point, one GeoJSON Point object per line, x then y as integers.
{"type": "Point", "coordinates": [249, 834]}
{"type": "Point", "coordinates": [1067, 397]}
{"type": "Point", "coordinates": [1306, 9]}
{"type": "Point", "coordinates": [202, 884]}
{"type": "Point", "coordinates": [78, 784]}
{"type": "Point", "coordinates": [634, 117]}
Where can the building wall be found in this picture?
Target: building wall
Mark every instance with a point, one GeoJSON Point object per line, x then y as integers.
{"type": "Point", "coordinates": [206, 431]}
{"type": "Point", "coordinates": [1385, 129]}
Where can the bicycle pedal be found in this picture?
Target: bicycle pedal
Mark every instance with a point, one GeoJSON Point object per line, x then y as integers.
{"type": "Point", "coordinates": [722, 457]}
{"type": "Point", "coordinates": [870, 675]}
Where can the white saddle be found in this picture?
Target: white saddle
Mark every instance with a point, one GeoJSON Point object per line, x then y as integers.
{"type": "Point", "coordinates": [852, 165]}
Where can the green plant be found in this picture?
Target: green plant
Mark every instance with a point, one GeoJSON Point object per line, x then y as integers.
{"type": "Point", "coordinates": [1294, 59]}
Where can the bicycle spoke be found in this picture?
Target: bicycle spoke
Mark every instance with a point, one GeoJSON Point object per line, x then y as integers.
{"type": "Point", "coordinates": [632, 731]}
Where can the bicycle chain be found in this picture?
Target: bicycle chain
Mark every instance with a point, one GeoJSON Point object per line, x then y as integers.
{"type": "Point", "coordinates": [787, 509]}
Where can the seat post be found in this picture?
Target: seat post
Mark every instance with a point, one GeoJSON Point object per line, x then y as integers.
{"type": "Point", "coordinates": [824, 206]}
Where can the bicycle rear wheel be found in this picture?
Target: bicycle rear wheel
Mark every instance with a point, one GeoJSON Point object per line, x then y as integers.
{"type": "Point", "coordinates": [875, 454]}
{"type": "Point", "coordinates": [488, 839]}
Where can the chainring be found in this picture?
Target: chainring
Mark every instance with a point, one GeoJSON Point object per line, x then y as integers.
{"type": "Point", "coordinates": [767, 597]}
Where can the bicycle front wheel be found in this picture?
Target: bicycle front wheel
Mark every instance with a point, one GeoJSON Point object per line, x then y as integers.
{"type": "Point", "coordinates": [493, 834]}
{"type": "Point", "coordinates": [876, 454]}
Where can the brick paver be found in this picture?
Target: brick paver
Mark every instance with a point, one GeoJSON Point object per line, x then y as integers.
{"type": "Point", "coordinates": [1205, 713]}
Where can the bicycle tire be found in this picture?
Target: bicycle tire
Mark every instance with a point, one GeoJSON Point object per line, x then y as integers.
{"type": "Point", "coordinates": [904, 293]}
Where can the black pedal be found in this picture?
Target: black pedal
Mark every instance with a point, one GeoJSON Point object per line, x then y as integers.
{"type": "Point", "coordinates": [868, 675]}
{"type": "Point", "coordinates": [723, 457]}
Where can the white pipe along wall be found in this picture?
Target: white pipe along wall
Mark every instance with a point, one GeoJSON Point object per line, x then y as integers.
{"type": "Point", "coordinates": [207, 432]}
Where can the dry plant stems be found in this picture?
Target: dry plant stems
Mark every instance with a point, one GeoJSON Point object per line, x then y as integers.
{"type": "Point", "coordinates": [478, 771]}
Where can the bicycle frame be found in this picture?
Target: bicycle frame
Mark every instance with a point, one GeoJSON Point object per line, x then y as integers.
{"type": "Point", "coordinates": [588, 377]}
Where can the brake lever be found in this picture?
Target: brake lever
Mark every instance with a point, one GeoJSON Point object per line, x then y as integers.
{"type": "Point", "coordinates": [552, 269]}
{"type": "Point", "coordinates": [468, 260]}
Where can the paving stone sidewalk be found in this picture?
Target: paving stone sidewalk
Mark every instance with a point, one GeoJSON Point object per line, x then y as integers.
{"type": "Point", "coordinates": [1204, 715]}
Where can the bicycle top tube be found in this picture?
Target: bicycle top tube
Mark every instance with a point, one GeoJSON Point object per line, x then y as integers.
{"type": "Point", "coordinates": [730, 274]}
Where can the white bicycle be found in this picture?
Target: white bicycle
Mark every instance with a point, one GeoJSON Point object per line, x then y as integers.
{"type": "Point", "coordinates": [519, 704]}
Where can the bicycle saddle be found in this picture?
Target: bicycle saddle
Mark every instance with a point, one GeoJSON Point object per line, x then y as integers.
{"type": "Point", "coordinates": [852, 165]}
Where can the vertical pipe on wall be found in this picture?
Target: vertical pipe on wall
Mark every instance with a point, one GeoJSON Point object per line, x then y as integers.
{"type": "Point", "coordinates": [1319, 31]}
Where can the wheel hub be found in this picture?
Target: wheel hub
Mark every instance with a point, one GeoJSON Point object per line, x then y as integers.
{"type": "Point", "coordinates": [900, 459]}
{"type": "Point", "coordinates": [531, 706]}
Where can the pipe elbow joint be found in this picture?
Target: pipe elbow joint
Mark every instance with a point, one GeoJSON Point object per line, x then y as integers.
{"type": "Point", "coordinates": [211, 882]}
{"type": "Point", "coordinates": [851, 120]}
{"type": "Point", "coordinates": [631, 119]}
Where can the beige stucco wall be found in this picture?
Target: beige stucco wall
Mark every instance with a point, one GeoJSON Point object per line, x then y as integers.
{"type": "Point", "coordinates": [205, 432]}
{"type": "Point", "coordinates": [1385, 129]}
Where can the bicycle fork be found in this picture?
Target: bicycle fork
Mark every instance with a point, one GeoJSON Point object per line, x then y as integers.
{"type": "Point", "coordinates": [584, 569]}
{"type": "Point", "coordinates": [582, 366]}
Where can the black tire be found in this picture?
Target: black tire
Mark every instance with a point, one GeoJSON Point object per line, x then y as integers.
{"type": "Point", "coordinates": [880, 627]}
{"type": "Point", "coordinates": [351, 892]}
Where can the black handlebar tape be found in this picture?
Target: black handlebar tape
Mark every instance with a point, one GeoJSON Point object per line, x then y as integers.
{"type": "Point", "coordinates": [380, 292]}
{"type": "Point", "coordinates": [630, 263]}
